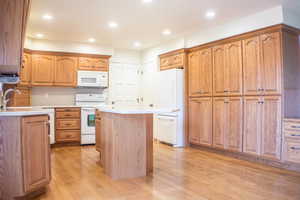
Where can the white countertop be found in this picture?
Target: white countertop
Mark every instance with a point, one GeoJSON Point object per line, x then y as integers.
{"type": "Point", "coordinates": [134, 110]}
{"type": "Point", "coordinates": [19, 112]}
{"type": "Point", "coordinates": [41, 110]}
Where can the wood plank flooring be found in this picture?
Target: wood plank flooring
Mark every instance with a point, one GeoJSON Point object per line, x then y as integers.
{"type": "Point", "coordinates": [179, 174]}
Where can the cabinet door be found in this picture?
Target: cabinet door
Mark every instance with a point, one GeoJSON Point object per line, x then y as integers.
{"type": "Point", "coordinates": [194, 74]}
{"type": "Point", "coordinates": [13, 18]}
{"type": "Point", "coordinates": [93, 64]}
{"type": "Point", "coordinates": [252, 125]}
{"type": "Point", "coordinates": [219, 70]}
{"type": "Point", "coordinates": [101, 64]}
{"type": "Point", "coordinates": [271, 128]}
{"type": "Point", "coordinates": [43, 67]}
{"type": "Point", "coordinates": [65, 71]}
{"type": "Point", "coordinates": [25, 73]}
{"type": "Point", "coordinates": [35, 152]}
{"type": "Point", "coordinates": [234, 133]}
{"type": "Point", "coordinates": [200, 121]}
{"type": "Point", "coordinates": [252, 66]}
{"type": "Point", "coordinates": [205, 70]}
{"type": "Point", "coordinates": [234, 68]}
{"type": "Point", "coordinates": [22, 99]}
{"type": "Point", "coordinates": [219, 121]}
{"type": "Point", "coordinates": [271, 63]}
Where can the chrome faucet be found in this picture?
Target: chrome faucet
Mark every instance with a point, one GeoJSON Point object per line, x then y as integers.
{"type": "Point", "coordinates": [5, 100]}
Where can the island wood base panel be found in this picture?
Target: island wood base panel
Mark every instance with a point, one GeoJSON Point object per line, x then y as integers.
{"type": "Point", "coordinates": [125, 144]}
{"type": "Point", "coordinates": [251, 158]}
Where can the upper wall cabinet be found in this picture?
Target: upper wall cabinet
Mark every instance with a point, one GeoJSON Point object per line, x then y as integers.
{"type": "Point", "coordinates": [93, 64]}
{"type": "Point", "coordinates": [271, 63]}
{"type": "Point", "coordinates": [228, 69]}
{"type": "Point", "coordinates": [262, 65]}
{"type": "Point", "coordinates": [25, 72]}
{"type": "Point", "coordinates": [200, 73]}
{"type": "Point", "coordinates": [65, 71]}
{"type": "Point", "coordinates": [13, 18]}
{"type": "Point", "coordinates": [173, 60]}
{"type": "Point", "coordinates": [43, 68]}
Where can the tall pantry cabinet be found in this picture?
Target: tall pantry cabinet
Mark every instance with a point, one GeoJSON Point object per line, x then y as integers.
{"type": "Point", "coordinates": [251, 82]}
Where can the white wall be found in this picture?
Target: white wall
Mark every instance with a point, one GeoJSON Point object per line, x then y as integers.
{"type": "Point", "coordinates": [259, 20]}
{"type": "Point", "coordinates": [65, 96]}
{"type": "Point", "coordinates": [149, 57]}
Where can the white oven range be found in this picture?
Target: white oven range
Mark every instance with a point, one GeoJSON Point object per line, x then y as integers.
{"type": "Point", "coordinates": [88, 103]}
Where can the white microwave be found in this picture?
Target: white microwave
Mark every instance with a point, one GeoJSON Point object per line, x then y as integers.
{"type": "Point", "coordinates": [92, 79]}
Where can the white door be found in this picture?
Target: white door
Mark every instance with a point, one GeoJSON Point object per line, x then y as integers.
{"type": "Point", "coordinates": [124, 84]}
{"type": "Point", "coordinates": [150, 83]}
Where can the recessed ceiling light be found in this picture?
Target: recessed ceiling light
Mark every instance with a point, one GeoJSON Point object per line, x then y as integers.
{"type": "Point", "coordinates": [47, 17]}
{"type": "Point", "coordinates": [137, 44]}
{"type": "Point", "coordinates": [113, 25]}
{"type": "Point", "coordinates": [92, 40]}
{"type": "Point", "coordinates": [147, 1]}
{"type": "Point", "coordinates": [210, 14]}
{"type": "Point", "coordinates": [166, 32]}
{"type": "Point", "coordinates": [39, 35]}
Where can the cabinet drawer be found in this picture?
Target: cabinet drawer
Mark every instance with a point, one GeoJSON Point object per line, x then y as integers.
{"type": "Point", "coordinates": [67, 109]}
{"type": "Point", "coordinates": [73, 114]}
{"type": "Point", "coordinates": [292, 151]}
{"type": "Point", "coordinates": [68, 136]}
{"type": "Point", "coordinates": [67, 124]}
{"type": "Point", "coordinates": [292, 135]}
{"type": "Point", "coordinates": [292, 126]}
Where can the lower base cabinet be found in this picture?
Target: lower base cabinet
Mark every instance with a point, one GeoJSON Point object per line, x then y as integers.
{"type": "Point", "coordinates": [25, 147]}
{"type": "Point", "coordinates": [200, 121]}
{"type": "Point", "coordinates": [262, 126]}
{"type": "Point", "coordinates": [228, 123]}
{"type": "Point", "coordinates": [251, 124]}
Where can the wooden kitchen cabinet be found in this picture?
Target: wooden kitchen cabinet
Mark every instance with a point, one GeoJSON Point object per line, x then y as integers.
{"type": "Point", "coordinates": [228, 70]}
{"type": "Point", "coordinates": [228, 123]}
{"type": "Point", "coordinates": [234, 69]}
{"type": "Point", "coordinates": [43, 68]}
{"type": "Point", "coordinates": [200, 73]}
{"type": "Point", "coordinates": [219, 122]}
{"type": "Point", "coordinates": [219, 70]}
{"type": "Point", "coordinates": [93, 64]}
{"type": "Point", "coordinates": [26, 150]}
{"type": "Point", "coordinates": [262, 126]}
{"type": "Point", "coordinates": [13, 21]}
{"type": "Point", "coordinates": [67, 125]}
{"type": "Point", "coordinates": [25, 72]}
{"type": "Point", "coordinates": [200, 121]}
{"type": "Point", "coordinates": [271, 127]}
{"type": "Point", "coordinates": [65, 71]}
{"type": "Point", "coordinates": [252, 125]}
{"type": "Point", "coordinates": [271, 63]}
{"type": "Point", "coordinates": [36, 152]}
{"type": "Point", "coordinates": [173, 60]}
{"type": "Point", "coordinates": [262, 65]}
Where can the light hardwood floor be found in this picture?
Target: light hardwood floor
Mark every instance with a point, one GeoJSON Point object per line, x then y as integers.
{"type": "Point", "coordinates": [188, 174]}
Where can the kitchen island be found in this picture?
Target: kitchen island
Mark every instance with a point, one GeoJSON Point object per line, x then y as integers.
{"type": "Point", "coordinates": [124, 139]}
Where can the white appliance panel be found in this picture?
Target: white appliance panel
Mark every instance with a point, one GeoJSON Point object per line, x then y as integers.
{"type": "Point", "coordinates": [92, 79]}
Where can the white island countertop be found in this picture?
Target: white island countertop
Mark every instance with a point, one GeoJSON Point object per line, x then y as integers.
{"type": "Point", "coordinates": [135, 110]}
{"type": "Point", "coordinates": [19, 112]}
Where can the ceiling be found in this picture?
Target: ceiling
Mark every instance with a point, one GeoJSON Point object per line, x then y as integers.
{"type": "Point", "coordinates": [79, 20]}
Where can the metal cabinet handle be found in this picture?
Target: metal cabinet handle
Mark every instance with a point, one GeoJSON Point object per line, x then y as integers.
{"type": "Point", "coordinates": [295, 126]}
{"type": "Point", "coordinates": [295, 148]}
{"type": "Point", "coordinates": [295, 135]}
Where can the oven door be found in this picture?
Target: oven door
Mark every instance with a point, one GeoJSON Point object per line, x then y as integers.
{"type": "Point", "coordinates": [88, 121]}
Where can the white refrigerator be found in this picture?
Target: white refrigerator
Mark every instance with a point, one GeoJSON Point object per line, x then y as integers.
{"type": "Point", "coordinates": [169, 127]}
